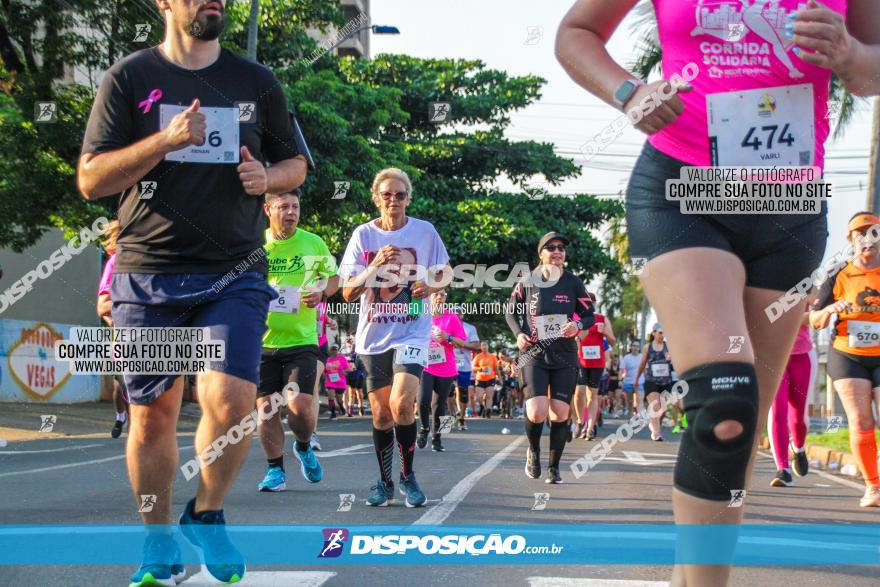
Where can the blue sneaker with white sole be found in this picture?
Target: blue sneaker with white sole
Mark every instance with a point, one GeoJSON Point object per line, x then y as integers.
{"type": "Point", "coordinates": [161, 564]}
{"type": "Point", "coordinates": [383, 494]}
{"type": "Point", "coordinates": [221, 560]}
{"type": "Point", "coordinates": [275, 480]}
{"type": "Point", "coordinates": [309, 465]}
{"type": "Point", "coordinates": [410, 488]}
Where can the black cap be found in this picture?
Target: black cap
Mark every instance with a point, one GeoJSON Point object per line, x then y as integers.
{"type": "Point", "coordinates": [549, 237]}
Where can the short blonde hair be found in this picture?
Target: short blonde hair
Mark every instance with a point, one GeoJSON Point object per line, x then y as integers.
{"type": "Point", "coordinates": [112, 235]}
{"type": "Point", "coordinates": [392, 173]}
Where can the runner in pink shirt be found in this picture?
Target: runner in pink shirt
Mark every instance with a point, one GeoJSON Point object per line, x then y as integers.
{"type": "Point", "coordinates": [447, 334]}
{"type": "Point", "coordinates": [105, 305]}
{"type": "Point", "coordinates": [789, 411]}
{"type": "Point", "coordinates": [335, 368]}
{"type": "Point", "coordinates": [748, 84]}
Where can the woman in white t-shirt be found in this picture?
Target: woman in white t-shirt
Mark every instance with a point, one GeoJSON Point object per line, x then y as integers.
{"type": "Point", "coordinates": [392, 263]}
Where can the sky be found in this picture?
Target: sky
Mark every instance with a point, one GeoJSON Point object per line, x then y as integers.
{"type": "Point", "coordinates": [498, 33]}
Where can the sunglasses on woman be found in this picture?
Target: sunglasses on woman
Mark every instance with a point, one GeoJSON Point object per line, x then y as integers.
{"type": "Point", "coordinates": [399, 196]}
{"type": "Point", "coordinates": [553, 248]}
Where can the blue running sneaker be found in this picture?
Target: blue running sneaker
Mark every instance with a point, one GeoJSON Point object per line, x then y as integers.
{"type": "Point", "coordinates": [410, 488]}
{"type": "Point", "coordinates": [383, 494]}
{"type": "Point", "coordinates": [308, 464]}
{"type": "Point", "coordinates": [220, 558]}
{"type": "Point", "coordinates": [275, 480]}
{"type": "Point", "coordinates": [161, 564]}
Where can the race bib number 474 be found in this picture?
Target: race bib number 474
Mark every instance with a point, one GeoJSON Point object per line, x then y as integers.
{"type": "Point", "coordinates": [221, 136]}
{"type": "Point", "coordinates": [762, 127]}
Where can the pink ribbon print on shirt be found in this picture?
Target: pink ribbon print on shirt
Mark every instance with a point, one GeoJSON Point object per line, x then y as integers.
{"type": "Point", "coordinates": [155, 96]}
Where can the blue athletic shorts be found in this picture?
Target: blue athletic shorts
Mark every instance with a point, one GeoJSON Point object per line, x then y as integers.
{"type": "Point", "coordinates": [235, 313]}
{"type": "Point", "coordinates": [464, 380]}
{"type": "Point", "coordinates": [628, 387]}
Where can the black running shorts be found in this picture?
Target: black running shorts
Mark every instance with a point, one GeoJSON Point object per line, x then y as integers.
{"type": "Point", "coordinates": [278, 367]}
{"type": "Point", "coordinates": [381, 369]}
{"type": "Point", "coordinates": [848, 366]}
{"type": "Point", "coordinates": [777, 250]}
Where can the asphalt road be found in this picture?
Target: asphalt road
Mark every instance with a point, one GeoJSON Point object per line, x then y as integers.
{"type": "Point", "coordinates": [479, 480]}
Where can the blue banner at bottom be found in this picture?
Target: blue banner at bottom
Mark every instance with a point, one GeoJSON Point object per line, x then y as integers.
{"type": "Point", "coordinates": [610, 544]}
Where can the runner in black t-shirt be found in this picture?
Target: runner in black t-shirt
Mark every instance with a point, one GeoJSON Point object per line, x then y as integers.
{"type": "Point", "coordinates": [184, 129]}
{"type": "Point", "coordinates": [545, 317]}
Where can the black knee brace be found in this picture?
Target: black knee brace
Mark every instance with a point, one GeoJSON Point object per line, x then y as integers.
{"type": "Point", "coordinates": [707, 467]}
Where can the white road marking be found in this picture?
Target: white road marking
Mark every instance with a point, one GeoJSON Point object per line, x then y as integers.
{"type": "Point", "coordinates": [836, 479]}
{"type": "Point", "coordinates": [77, 464]}
{"type": "Point", "coordinates": [32, 452]}
{"type": "Point", "coordinates": [441, 511]}
{"type": "Point", "coordinates": [343, 451]}
{"type": "Point", "coordinates": [586, 582]}
{"type": "Point", "coordinates": [637, 458]}
{"type": "Point", "coordinates": [269, 579]}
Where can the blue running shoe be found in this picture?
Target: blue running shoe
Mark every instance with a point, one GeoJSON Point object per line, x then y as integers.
{"type": "Point", "coordinates": [275, 480]}
{"type": "Point", "coordinates": [308, 464]}
{"type": "Point", "coordinates": [220, 558]}
{"type": "Point", "coordinates": [410, 488]}
{"type": "Point", "coordinates": [383, 494]}
{"type": "Point", "coordinates": [161, 564]}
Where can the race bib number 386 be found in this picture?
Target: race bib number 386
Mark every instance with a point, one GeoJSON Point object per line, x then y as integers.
{"type": "Point", "coordinates": [221, 136]}
{"type": "Point", "coordinates": [762, 127]}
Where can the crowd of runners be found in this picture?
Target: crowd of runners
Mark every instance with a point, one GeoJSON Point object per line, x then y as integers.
{"type": "Point", "coordinates": [414, 366]}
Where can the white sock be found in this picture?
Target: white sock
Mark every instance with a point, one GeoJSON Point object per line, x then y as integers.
{"type": "Point", "coordinates": [120, 416]}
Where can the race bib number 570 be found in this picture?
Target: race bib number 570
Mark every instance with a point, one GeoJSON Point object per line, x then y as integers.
{"type": "Point", "coordinates": [762, 127]}
{"type": "Point", "coordinates": [863, 334]}
{"type": "Point", "coordinates": [221, 136]}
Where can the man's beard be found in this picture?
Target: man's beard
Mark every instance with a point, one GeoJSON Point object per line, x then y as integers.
{"type": "Point", "coordinates": [206, 27]}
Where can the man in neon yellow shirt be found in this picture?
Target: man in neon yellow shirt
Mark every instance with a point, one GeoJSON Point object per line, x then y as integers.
{"type": "Point", "coordinates": [303, 273]}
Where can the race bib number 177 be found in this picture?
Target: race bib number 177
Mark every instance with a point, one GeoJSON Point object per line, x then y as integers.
{"type": "Point", "coordinates": [221, 136]}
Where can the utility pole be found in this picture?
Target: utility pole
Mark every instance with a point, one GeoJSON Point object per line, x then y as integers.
{"type": "Point", "coordinates": [253, 25]}
{"type": "Point", "coordinates": [873, 202]}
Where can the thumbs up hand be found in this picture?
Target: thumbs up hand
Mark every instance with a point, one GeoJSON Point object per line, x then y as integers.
{"type": "Point", "coordinates": [187, 128]}
{"type": "Point", "coordinates": [252, 174]}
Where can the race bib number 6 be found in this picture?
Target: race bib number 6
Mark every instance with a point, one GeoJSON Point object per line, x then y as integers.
{"type": "Point", "coordinates": [411, 355]}
{"type": "Point", "coordinates": [762, 127]}
{"type": "Point", "coordinates": [550, 325]}
{"type": "Point", "coordinates": [863, 334]}
{"type": "Point", "coordinates": [287, 301]}
{"type": "Point", "coordinates": [221, 136]}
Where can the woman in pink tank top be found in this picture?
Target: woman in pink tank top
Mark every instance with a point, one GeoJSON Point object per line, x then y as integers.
{"type": "Point", "coordinates": [748, 85]}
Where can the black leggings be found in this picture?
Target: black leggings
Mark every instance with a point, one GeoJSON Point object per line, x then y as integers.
{"type": "Point", "coordinates": [432, 398]}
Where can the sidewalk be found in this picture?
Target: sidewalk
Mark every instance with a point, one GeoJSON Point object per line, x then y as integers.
{"type": "Point", "coordinates": [22, 421]}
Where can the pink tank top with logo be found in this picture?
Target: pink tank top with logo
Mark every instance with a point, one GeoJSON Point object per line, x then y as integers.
{"type": "Point", "coordinates": [739, 46]}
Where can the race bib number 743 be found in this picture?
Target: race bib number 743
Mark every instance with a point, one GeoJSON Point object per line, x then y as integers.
{"type": "Point", "coordinates": [221, 136]}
